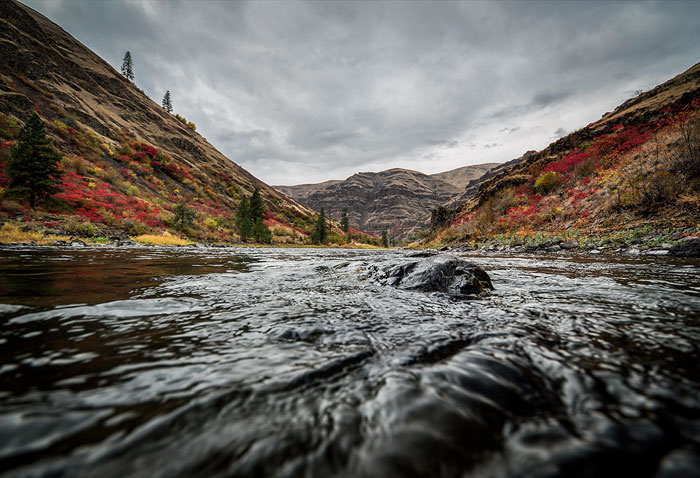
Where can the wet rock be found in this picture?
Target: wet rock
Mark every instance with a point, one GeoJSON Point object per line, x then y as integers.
{"type": "Point", "coordinates": [77, 243]}
{"type": "Point", "coordinates": [555, 248]}
{"type": "Point", "coordinates": [58, 243]}
{"type": "Point", "coordinates": [657, 252]}
{"type": "Point", "coordinates": [436, 274]}
{"type": "Point", "coordinates": [422, 254]}
{"type": "Point", "coordinates": [689, 248]}
{"type": "Point", "coordinates": [569, 245]}
{"type": "Point", "coordinates": [633, 251]}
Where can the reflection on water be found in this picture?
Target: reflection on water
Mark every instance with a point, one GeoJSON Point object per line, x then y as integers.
{"type": "Point", "coordinates": [272, 362]}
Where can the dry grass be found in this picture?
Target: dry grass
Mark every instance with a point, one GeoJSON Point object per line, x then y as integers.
{"type": "Point", "coordinates": [165, 239]}
{"type": "Point", "coordinates": [11, 233]}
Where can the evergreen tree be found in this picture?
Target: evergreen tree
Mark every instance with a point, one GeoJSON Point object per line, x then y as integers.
{"type": "Point", "coordinates": [243, 222]}
{"type": "Point", "coordinates": [385, 238]}
{"type": "Point", "coordinates": [167, 104]}
{"type": "Point", "coordinates": [184, 216]}
{"type": "Point", "coordinates": [320, 235]}
{"type": "Point", "coordinates": [257, 208]}
{"type": "Point", "coordinates": [344, 221]}
{"type": "Point", "coordinates": [33, 165]}
{"type": "Point", "coordinates": [262, 234]}
{"type": "Point", "coordinates": [128, 67]}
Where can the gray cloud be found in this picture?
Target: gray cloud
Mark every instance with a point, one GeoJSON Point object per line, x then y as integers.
{"type": "Point", "coordinates": [307, 91]}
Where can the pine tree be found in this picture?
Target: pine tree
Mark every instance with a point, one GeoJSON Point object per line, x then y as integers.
{"type": "Point", "coordinates": [128, 67]}
{"type": "Point", "coordinates": [184, 216]}
{"type": "Point", "coordinates": [167, 104]}
{"type": "Point", "coordinates": [249, 219]}
{"type": "Point", "coordinates": [257, 208]}
{"type": "Point", "coordinates": [344, 221]}
{"type": "Point", "coordinates": [320, 235]}
{"type": "Point", "coordinates": [33, 164]}
{"type": "Point", "coordinates": [243, 222]}
{"type": "Point", "coordinates": [262, 234]}
{"type": "Point", "coordinates": [385, 238]}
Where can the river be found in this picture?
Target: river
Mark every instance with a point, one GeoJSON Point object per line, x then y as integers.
{"type": "Point", "coordinates": [254, 362]}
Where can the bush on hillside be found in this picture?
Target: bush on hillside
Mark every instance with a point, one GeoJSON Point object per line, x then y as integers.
{"type": "Point", "coordinates": [548, 182]}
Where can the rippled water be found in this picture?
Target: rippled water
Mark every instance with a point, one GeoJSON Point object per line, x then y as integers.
{"type": "Point", "coordinates": [292, 362]}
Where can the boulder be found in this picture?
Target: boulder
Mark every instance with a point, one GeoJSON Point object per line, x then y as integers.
{"type": "Point", "coordinates": [690, 248]}
{"type": "Point", "coordinates": [77, 243]}
{"type": "Point", "coordinates": [569, 245]}
{"type": "Point", "coordinates": [447, 274]}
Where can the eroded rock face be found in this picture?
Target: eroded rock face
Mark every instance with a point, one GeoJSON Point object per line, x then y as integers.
{"type": "Point", "coordinates": [447, 274]}
{"type": "Point", "coordinates": [397, 199]}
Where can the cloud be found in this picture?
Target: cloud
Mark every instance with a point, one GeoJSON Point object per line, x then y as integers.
{"type": "Point", "coordinates": [296, 90]}
{"type": "Point", "coordinates": [560, 132]}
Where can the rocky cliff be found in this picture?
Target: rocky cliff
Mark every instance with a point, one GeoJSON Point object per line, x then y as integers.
{"type": "Point", "coordinates": [399, 200]}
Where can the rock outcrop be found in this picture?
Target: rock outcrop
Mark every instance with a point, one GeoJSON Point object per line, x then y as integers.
{"type": "Point", "coordinates": [399, 200]}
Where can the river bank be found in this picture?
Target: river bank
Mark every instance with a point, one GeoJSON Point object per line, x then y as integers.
{"type": "Point", "coordinates": [645, 240]}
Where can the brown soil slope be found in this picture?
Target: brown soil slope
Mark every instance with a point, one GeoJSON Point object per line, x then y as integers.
{"type": "Point", "coordinates": [44, 69]}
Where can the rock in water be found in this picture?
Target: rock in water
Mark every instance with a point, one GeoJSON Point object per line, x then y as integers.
{"type": "Point", "coordinates": [435, 274]}
{"type": "Point", "coordinates": [689, 248]}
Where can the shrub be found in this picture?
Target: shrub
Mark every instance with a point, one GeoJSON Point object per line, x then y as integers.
{"type": "Point", "coordinates": [585, 168]}
{"type": "Point", "coordinates": [686, 157]}
{"type": "Point", "coordinates": [548, 182]}
{"type": "Point", "coordinates": [77, 227]}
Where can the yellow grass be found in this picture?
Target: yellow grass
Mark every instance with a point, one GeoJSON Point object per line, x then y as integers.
{"type": "Point", "coordinates": [11, 233]}
{"type": "Point", "coordinates": [165, 239]}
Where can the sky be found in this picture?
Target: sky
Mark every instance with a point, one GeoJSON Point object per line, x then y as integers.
{"type": "Point", "coordinates": [302, 92]}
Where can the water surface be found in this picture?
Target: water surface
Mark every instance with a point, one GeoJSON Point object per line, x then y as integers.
{"type": "Point", "coordinates": [294, 362]}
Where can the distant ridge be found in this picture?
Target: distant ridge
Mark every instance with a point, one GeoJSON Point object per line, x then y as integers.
{"type": "Point", "coordinates": [399, 200]}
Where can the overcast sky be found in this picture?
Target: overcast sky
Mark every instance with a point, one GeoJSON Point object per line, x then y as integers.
{"type": "Point", "coordinates": [301, 92]}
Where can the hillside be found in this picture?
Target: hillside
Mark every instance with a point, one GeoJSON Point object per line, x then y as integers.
{"type": "Point", "coordinates": [126, 161]}
{"type": "Point", "coordinates": [461, 177]}
{"type": "Point", "coordinates": [399, 200]}
{"type": "Point", "coordinates": [636, 169]}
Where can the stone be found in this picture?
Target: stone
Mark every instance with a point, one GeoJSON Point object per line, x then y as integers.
{"type": "Point", "coordinates": [569, 245]}
{"type": "Point", "coordinates": [689, 248]}
{"type": "Point", "coordinates": [657, 252]}
{"type": "Point", "coordinates": [447, 274]}
{"type": "Point", "coordinates": [77, 243]}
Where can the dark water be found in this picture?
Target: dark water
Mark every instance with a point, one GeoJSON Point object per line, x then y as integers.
{"type": "Point", "coordinates": [270, 362]}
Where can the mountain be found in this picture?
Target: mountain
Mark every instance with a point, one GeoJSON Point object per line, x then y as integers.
{"type": "Point", "coordinates": [127, 162]}
{"type": "Point", "coordinates": [399, 200]}
{"type": "Point", "coordinates": [636, 170]}
{"type": "Point", "coordinates": [461, 177]}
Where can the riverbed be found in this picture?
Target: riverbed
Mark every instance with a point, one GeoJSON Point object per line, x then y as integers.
{"type": "Point", "coordinates": [164, 362]}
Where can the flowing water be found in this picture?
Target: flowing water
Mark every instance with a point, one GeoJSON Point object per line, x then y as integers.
{"type": "Point", "coordinates": [293, 362]}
